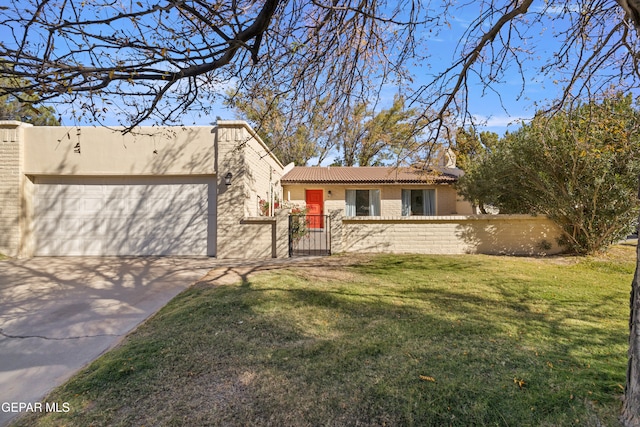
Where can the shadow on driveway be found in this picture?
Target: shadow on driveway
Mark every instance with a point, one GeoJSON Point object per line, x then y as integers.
{"type": "Point", "coordinates": [58, 314]}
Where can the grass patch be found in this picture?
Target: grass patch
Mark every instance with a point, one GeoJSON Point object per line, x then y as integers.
{"type": "Point", "coordinates": [388, 340]}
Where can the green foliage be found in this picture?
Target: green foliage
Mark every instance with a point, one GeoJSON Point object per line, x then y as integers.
{"type": "Point", "coordinates": [294, 139]}
{"type": "Point", "coordinates": [368, 138]}
{"type": "Point", "coordinates": [362, 136]}
{"type": "Point", "coordinates": [470, 146]}
{"type": "Point", "coordinates": [298, 225]}
{"type": "Point", "coordinates": [579, 167]}
{"type": "Point", "coordinates": [13, 109]}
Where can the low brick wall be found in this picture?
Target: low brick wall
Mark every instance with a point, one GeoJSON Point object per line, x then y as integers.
{"type": "Point", "coordinates": [485, 234]}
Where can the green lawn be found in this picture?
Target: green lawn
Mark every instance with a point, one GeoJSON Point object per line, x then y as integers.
{"type": "Point", "coordinates": [375, 340]}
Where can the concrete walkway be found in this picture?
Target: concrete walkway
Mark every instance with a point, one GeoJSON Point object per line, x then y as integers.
{"type": "Point", "coordinates": [59, 314]}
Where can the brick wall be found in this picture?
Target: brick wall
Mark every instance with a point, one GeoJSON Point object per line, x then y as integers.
{"type": "Point", "coordinates": [10, 184]}
{"type": "Point", "coordinates": [262, 178]}
{"type": "Point", "coordinates": [486, 234]}
{"type": "Point", "coordinates": [242, 233]}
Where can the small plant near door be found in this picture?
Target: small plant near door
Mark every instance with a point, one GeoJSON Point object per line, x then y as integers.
{"type": "Point", "coordinates": [298, 210]}
{"type": "Point", "coordinates": [299, 226]}
{"type": "Point", "coordinates": [265, 206]}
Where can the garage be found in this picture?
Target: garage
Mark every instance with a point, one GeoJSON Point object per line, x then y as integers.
{"type": "Point", "coordinates": [118, 216]}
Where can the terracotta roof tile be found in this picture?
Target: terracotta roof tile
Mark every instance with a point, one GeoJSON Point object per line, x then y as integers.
{"type": "Point", "coordinates": [363, 175]}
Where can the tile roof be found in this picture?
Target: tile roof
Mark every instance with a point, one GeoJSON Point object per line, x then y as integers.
{"type": "Point", "coordinates": [364, 175]}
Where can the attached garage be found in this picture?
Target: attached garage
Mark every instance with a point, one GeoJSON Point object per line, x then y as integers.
{"type": "Point", "coordinates": [147, 191]}
{"type": "Point", "coordinates": [128, 215]}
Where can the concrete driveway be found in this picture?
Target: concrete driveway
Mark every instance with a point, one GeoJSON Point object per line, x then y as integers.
{"type": "Point", "coordinates": [58, 314]}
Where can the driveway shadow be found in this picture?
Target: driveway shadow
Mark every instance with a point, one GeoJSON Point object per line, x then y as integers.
{"type": "Point", "coordinates": [58, 314]}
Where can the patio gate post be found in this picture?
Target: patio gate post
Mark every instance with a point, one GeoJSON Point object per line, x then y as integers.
{"type": "Point", "coordinates": [336, 216]}
{"type": "Point", "coordinates": [281, 234]}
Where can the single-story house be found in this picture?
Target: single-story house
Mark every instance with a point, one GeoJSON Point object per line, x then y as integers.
{"type": "Point", "coordinates": [376, 191]}
{"type": "Point", "coordinates": [407, 210]}
{"type": "Point", "coordinates": [202, 191]}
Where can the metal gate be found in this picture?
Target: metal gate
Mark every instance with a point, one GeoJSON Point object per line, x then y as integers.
{"type": "Point", "coordinates": [309, 235]}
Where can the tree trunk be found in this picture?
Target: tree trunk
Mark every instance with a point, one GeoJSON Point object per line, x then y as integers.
{"type": "Point", "coordinates": [631, 408]}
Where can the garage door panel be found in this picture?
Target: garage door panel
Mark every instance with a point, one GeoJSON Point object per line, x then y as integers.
{"type": "Point", "coordinates": [51, 202]}
{"type": "Point", "coordinates": [113, 206]}
{"type": "Point", "coordinates": [92, 204]}
{"type": "Point", "coordinates": [112, 217]}
{"type": "Point", "coordinates": [80, 246]}
{"type": "Point", "coordinates": [70, 247]}
{"type": "Point", "coordinates": [155, 208]}
{"type": "Point", "coordinates": [89, 190]}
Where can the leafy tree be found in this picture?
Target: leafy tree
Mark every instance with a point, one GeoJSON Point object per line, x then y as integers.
{"type": "Point", "coordinates": [12, 109]}
{"type": "Point", "coordinates": [362, 136]}
{"type": "Point", "coordinates": [25, 112]}
{"type": "Point", "coordinates": [290, 139]}
{"type": "Point", "coordinates": [470, 146]}
{"type": "Point", "coordinates": [580, 167]}
{"type": "Point", "coordinates": [367, 138]}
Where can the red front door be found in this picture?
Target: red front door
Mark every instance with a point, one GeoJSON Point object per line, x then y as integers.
{"type": "Point", "coordinates": [315, 203]}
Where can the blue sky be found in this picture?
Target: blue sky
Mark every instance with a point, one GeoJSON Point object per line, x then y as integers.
{"type": "Point", "coordinates": [499, 114]}
{"type": "Point", "coordinates": [508, 103]}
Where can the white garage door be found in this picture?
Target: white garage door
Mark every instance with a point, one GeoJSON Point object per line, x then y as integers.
{"type": "Point", "coordinates": [124, 216]}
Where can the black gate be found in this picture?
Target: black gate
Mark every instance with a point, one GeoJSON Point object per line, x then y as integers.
{"type": "Point", "coordinates": [309, 235]}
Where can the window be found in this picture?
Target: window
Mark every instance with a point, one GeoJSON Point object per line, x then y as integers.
{"type": "Point", "coordinates": [418, 202]}
{"type": "Point", "coordinates": [362, 203]}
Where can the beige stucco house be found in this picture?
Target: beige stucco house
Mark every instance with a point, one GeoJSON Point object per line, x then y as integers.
{"type": "Point", "coordinates": [153, 191]}
{"type": "Point", "coordinates": [201, 191]}
{"type": "Point", "coordinates": [376, 191]}
{"type": "Point", "coordinates": [405, 210]}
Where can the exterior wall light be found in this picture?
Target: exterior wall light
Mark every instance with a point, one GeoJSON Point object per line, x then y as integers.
{"type": "Point", "coordinates": [227, 179]}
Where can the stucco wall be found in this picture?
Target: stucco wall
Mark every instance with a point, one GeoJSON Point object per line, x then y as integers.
{"type": "Point", "coordinates": [103, 151]}
{"type": "Point", "coordinates": [232, 146]}
{"type": "Point", "coordinates": [390, 197]}
{"type": "Point", "coordinates": [486, 234]}
{"type": "Point", "coordinates": [263, 173]}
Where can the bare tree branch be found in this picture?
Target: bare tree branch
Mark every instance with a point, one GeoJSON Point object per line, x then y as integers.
{"type": "Point", "coordinates": [311, 58]}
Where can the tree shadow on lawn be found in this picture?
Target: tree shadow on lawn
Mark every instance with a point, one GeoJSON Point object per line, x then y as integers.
{"type": "Point", "coordinates": [475, 348]}
{"type": "Point", "coordinates": [274, 351]}
{"type": "Point", "coordinates": [361, 357]}
{"type": "Point", "coordinates": [573, 345]}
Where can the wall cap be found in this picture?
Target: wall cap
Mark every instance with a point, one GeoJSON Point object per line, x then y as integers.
{"type": "Point", "coordinates": [258, 220]}
{"type": "Point", "coordinates": [488, 217]}
{"type": "Point", "coordinates": [14, 124]}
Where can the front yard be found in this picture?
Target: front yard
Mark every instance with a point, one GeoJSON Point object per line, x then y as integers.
{"type": "Point", "coordinates": [375, 340]}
